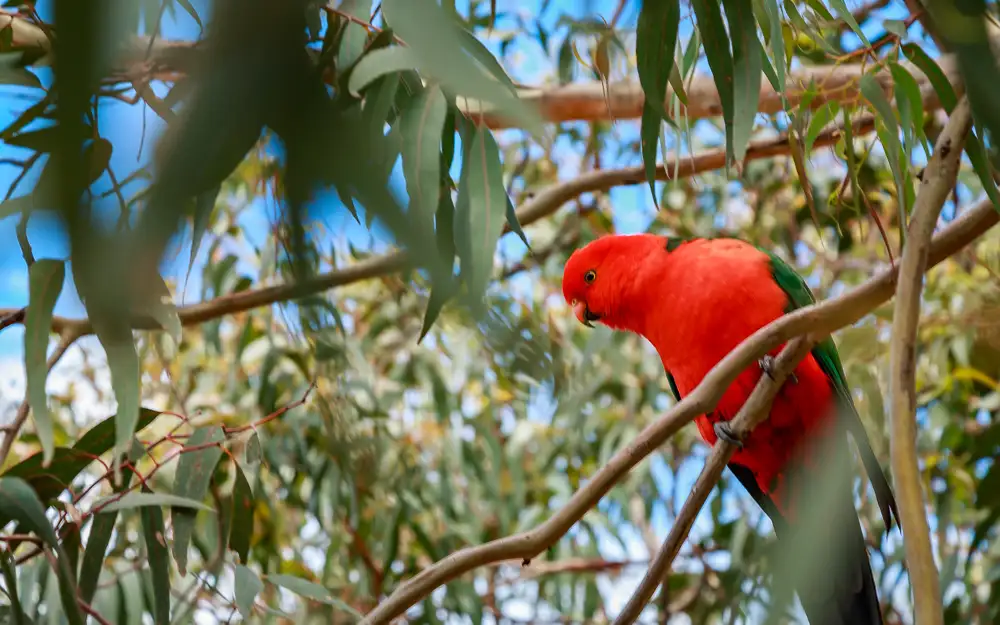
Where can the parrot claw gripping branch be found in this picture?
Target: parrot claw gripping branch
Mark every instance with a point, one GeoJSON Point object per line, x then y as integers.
{"type": "Point", "coordinates": [695, 301]}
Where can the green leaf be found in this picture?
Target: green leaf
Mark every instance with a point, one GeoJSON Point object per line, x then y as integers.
{"type": "Point", "coordinates": [655, 40]}
{"type": "Point", "coordinates": [204, 204]}
{"type": "Point", "coordinates": [482, 221]}
{"type": "Point", "coordinates": [649, 134]}
{"type": "Point", "coordinates": [163, 310]}
{"type": "Point", "coordinates": [482, 54]}
{"type": "Point", "coordinates": [441, 293]}
{"type": "Point", "coordinates": [963, 25]}
{"type": "Point", "coordinates": [872, 91]}
{"type": "Point", "coordinates": [823, 116]}
{"type": "Point", "coordinates": [12, 72]}
{"type": "Point", "coordinates": [720, 60]}
{"type": "Point", "coordinates": [909, 100]}
{"type": "Point", "coordinates": [123, 361]}
{"type": "Point", "coordinates": [253, 453]}
{"type": "Point", "coordinates": [139, 500]}
{"type": "Point", "coordinates": [746, 72]}
{"type": "Point", "coordinates": [248, 586]}
{"type": "Point", "coordinates": [69, 462]}
{"type": "Point", "coordinates": [18, 501]}
{"type": "Point", "coordinates": [17, 615]}
{"type": "Point", "coordinates": [242, 523]}
{"type": "Point", "coordinates": [933, 72]}
{"type": "Point", "coordinates": [421, 124]}
{"type": "Point", "coordinates": [45, 282]}
{"type": "Point", "coordinates": [515, 225]}
{"type": "Point", "coordinates": [156, 553]}
{"type": "Point", "coordinates": [311, 590]}
{"type": "Point", "coordinates": [194, 473]}
{"type": "Point", "coordinates": [101, 529]}
{"type": "Point", "coordinates": [187, 6]}
{"type": "Point", "coordinates": [777, 43]}
{"type": "Point", "coordinates": [378, 63]}
{"type": "Point", "coordinates": [845, 14]}
{"type": "Point", "coordinates": [352, 45]}
{"type": "Point", "coordinates": [434, 38]}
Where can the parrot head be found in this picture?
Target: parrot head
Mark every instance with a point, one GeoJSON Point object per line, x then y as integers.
{"type": "Point", "coordinates": [601, 280]}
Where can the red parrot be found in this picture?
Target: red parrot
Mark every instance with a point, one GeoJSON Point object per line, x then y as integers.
{"type": "Point", "coordinates": [695, 300]}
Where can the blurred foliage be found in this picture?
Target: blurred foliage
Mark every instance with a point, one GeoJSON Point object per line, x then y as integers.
{"type": "Point", "coordinates": [345, 438]}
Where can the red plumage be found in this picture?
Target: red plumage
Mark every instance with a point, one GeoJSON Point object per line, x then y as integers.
{"type": "Point", "coordinates": [695, 302]}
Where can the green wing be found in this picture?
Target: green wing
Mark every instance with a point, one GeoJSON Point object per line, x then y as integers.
{"type": "Point", "coordinates": [828, 358]}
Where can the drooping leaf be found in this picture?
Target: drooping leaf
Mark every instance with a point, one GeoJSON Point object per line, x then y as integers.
{"type": "Point", "coordinates": [311, 590]}
{"type": "Point", "coordinates": [378, 63]}
{"type": "Point", "coordinates": [139, 500]}
{"type": "Point", "coordinates": [242, 519]}
{"type": "Point", "coordinates": [442, 53]}
{"type": "Point", "coordinates": [421, 124]}
{"type": "Point", "coordinates": [963, 25]}
{"type": "Point", "coordinates": [18, 501]}
{"type": "Point", "coordinates": [194, 472]}
{"type": "Point", "coordinates": [203, 206]}
{"type": "Point", "coordinates": [649, 134]}
{"type": "Point", "coordinates": [16, 615]}
{"type": "Point", "coordinates": [101, 529]}
{"type": "Point", "coordinates": [163, 310]}
{"type": "Point", "coordinates": [845, 14]}
{"type": "Point", "coordinates": [933, 72]}
{"type": "Point", "coordinates": [776, 43]}
{"type": "Point", "coordinates": [746, 72]}
{"type": "Point", "coordinates": [655, 40]}
{"type": "Point", "coordinates": [123, 362]}
{"type": "Point", "coordinates": [248, 586]}
{"type": "Point", "coordinates": [156, 553]}
{"type": "Point", "coordinates": [720, 60]}
{"type": "Point", "coordinates": [515, 225]}
{"type": "Point", "coordinates": [823, 116]}
{"type": "Point", "coordinates": [872, 91]}
{"type": "Point", "coordinates": [485, 214]}
{"type": "Point", "coordinates": [45, 279]}
{"type": "Point", "coordinates": [352, 44]}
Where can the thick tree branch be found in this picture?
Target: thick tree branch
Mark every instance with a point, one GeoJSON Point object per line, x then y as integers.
{"type": "Point", "coordinates": [539, 207]}
{"type": "Point", "coordinates": [938, 180]}
{"type": "Point", "coordinates": [816, 320]}
{"type": "Point", "coordinates": [140, 62]}
{"type": "Point", "coordinates": [753, 412]}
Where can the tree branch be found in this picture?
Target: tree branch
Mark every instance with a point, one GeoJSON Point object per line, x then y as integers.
{"type": "Point", "coordinates": [139, 61]}
{"type": "Point", "coordinates": [539, 207]}
{"type": "Point", "coordinates": [816, 319]}
{"type": "Point", "coordinates": [938, 179]}
{"type": "Point", "coordinates": [753, 412]}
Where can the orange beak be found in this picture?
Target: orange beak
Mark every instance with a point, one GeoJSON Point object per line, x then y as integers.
{"type": "Point", "coordinates": [581, 312]}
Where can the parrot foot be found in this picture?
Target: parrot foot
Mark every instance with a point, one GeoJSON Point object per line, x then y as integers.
{"type": "Point", "coordinates": [725, 433]}
{"type": "Point", "coordinates": [767, 364]}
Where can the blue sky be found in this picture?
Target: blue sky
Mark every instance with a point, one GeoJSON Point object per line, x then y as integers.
{"type": "Point", "coordinates": [123, 125]}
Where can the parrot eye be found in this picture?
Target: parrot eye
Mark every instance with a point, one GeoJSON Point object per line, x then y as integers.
{"type": "Point", "coordinates": [590, 276]}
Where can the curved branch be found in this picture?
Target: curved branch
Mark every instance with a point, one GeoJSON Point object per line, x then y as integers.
{"type": "Point", "coordinates": [938, 181]}
{"type": "Point", "coordinates": [542, 205]}
{"type": "Point", "coordinates": [751, 414]}
{"type": "Point", "coordinates": [141, 61]}
{"type": "Point", "coordinates": [817, 320]}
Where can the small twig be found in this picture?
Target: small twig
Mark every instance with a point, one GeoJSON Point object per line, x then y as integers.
{"type": "Point", "coordinates": [939, 177]}
{"type": "Point", "coordinates": [754, 411]}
